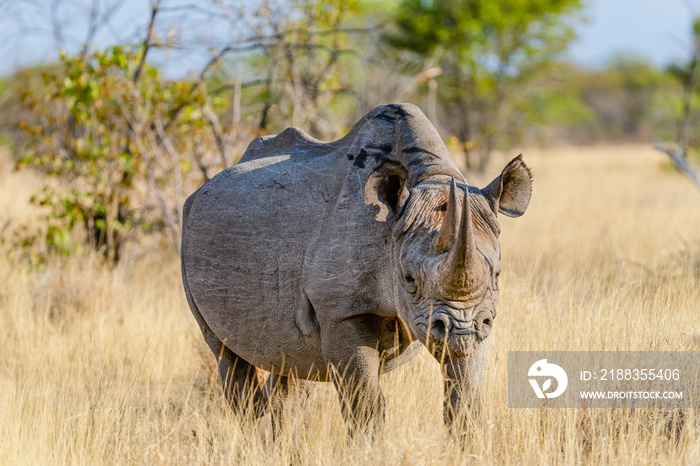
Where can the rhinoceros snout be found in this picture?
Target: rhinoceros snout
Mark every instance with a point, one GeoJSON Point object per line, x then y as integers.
{"type": "Point", "coordinates": [460, 337]}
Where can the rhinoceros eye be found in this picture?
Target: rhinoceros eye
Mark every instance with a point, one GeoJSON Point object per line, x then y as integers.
{"type": "Point", "coordinates": [410, 283]}
{"type": "Point", "coordinates": [409, 280]}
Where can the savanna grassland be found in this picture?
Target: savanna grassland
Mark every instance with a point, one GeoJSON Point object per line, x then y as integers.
{"type": "Point", "coordinates": [103, 365]}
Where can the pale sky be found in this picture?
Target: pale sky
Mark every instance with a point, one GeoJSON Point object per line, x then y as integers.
{"type": "Point", "coordinates": [658, 30]}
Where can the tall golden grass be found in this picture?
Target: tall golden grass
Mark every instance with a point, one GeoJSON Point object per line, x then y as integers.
{"type": "Point", "coordinates": [106, 365]}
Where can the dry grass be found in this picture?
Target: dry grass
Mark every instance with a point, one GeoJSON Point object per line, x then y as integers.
{"type": "Point", "coordinates": [108, 366]}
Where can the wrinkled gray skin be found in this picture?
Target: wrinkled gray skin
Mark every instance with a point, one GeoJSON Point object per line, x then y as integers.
{"type": "Point", "coordinates": [339, 261]}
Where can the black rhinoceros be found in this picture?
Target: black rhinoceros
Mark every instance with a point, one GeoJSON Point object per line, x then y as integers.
{"type": "Point", "coordinates": [338, 261]}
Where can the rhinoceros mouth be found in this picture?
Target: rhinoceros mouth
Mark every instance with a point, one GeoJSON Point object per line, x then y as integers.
{"type": "Point", "coordinates": [452, 349]}
{"type": "Point", "coordinates": [444, 334]}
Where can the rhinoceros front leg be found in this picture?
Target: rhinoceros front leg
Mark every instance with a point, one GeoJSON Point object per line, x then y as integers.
{"type": "Point", "coordinates": [351, 349]}
{"type": "Point", "coordinates": [464, 379]}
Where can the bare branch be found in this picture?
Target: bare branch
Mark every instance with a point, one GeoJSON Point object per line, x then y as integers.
{"type": "Point", "coordinates": [147, 40]}
{"type": "Point", "coordinates": [190, 8]}
{"type": "Point", "coordinates": [5, 226]}
{"type": "Point", "coordinates": [679, 160]}
{"type": "Point", "coordinates": [198, 156]}
{"type": "Point", "coordinates": [215, 125]}
{"type": "Point", "coordinates": [57, 28]}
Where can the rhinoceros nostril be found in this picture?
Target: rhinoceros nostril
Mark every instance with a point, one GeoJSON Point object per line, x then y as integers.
{"type": "Point", "coordinates": [438, 331]}
{"type": "Point", "coordinates": [483, 327]}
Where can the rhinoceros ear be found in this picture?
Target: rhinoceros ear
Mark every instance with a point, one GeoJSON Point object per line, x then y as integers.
{"type": "Point", "coordinates": [510, 192]}
{"type": "Point", "coordinates": [386, 188]}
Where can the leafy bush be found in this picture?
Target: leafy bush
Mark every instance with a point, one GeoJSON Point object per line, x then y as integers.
{"type": "Point", "coordinates": [119, 140]}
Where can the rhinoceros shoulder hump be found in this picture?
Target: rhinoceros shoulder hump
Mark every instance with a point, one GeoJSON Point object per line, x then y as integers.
{"type": "Point", "coordinates": [293, 141]}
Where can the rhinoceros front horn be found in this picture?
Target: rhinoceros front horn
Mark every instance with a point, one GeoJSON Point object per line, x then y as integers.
{"type": "Point", "coordinates": [456, 237]}
{"type": "Point", "coordinates": [448, 231]}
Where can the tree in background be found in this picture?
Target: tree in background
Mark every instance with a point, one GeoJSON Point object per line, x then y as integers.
{"type": "Point", "coordinates": [688, 75]}
{"type": "Point", "coordinates": [124, 145]}
{"type": "Point", "coordinates": [489, 51]}
{"type": "Point", "coordinates": [623, 101]}
{"type": "Point", "coordinates": [304, 70]}
{"type": "Point", "coordinates": [687, 138]}
{"type": "Point", "coordinates": [118, 141]}
{"type": "Point", "coordinates": [121, 145]}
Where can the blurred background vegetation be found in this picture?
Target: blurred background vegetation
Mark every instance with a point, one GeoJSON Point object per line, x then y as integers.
{"type": "Point", "coordinates": [123, 137]}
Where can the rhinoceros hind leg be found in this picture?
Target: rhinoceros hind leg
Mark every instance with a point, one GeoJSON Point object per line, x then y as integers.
{"type": "Point", "coordinates": [239, 378]}
{"type": "Point", "coordinates": [276, 387]}
{"type": "Point", "coordinates": [240, 383]}
{"type": "Point", "coordinates": [279, 388]}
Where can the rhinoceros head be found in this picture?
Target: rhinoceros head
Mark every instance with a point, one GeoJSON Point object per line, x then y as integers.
{"type": "Point", "coordinates": [447, 257]}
